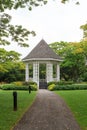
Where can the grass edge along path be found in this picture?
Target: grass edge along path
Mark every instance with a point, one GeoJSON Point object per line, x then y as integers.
{"type": "Point", "coordinates": [8, 117]}
{"type": "Point", "coordinates": [77, 101]}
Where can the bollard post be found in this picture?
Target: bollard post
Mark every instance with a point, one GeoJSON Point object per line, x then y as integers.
{"type": "Point", "coordinates": [15, 101]}
{"type": "Point", "coordinates": [29, 89]}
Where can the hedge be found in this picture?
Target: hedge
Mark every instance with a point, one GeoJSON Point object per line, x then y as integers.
{"type": "Point", "coordinates": [60, 82]}
{"type": "Point", "coordinates": [68, 87]}
{"type": "Point", "coordinates": [19, 86]}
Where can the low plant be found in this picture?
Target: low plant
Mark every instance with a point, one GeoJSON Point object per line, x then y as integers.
{"type": "Point", "coordinates": [68, 87]}
{"type": "Point", "coordinates": [18, 83]}
{"type": "Point", "coordinates": [61, 82]}
{"type": "Point", "coordinates": [19, 86]}
{"type": "Point", "coordinates": [51, 87]}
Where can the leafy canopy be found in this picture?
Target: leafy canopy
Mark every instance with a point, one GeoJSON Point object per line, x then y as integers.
{"type": "Point", "coordinates": [16, 33]}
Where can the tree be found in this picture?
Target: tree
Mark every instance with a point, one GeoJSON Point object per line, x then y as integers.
{"type": "Point", "coordinates": [64, 1]}
{"type": "Point", "coordinates": [74, 61]}
{"type": "Point", "coordinates": [13, 72]}
{"type": "Point", "coordinates": [59, 47]}
{"type": "Point", "coordinates": [84, 28]}
{"type": "Point", "coordinates": [73, 65]}
{"type": "Point", "coordinates": [16, 33]}
{"type": "Point", "coordinates": [6, 56]}
{"type": "Point", "coordinates": [15, 4]}
{"type": "Point", "coordinates": [10, 32]}
{"type": "Point", "coordinates": [11, 68]}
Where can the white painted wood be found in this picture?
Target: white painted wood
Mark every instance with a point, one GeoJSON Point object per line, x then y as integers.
{"type": "Point", "coordinates": [58, 72]}
{"type": "Point", "coordinates": [49, 71]}
{"type": "Point", "coordinates": [36, 72]}
{"type": "Point", "coordinates": [27, 72]}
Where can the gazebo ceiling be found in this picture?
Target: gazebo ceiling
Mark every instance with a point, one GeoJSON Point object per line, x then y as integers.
{"type": "Point", "coordinates": [42, 51]}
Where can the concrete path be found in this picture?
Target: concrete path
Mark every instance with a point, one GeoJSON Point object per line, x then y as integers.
{"type": "Point", "coordinates": [48, 112]}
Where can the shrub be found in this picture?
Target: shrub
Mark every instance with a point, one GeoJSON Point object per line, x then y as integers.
{"type": "Point", "coordinates": [71, 87]}
{"type": "Point", "coordinates": [29, 83]}
{"type": "Point", "coordinates": [18, 86]}
{"type": "Point", "coordinates": [34, 87]}
{"type": "Point", "coordinates": [18, 83]}
{"type": "Point", "coordinates": [51, 87]}
{"type": "Point", "coordinates": [13, 87]}
{"type": "Point", "coordinates": [62, 82]}
{"type": "Point", "coordinates": [60, 86]}
{"type": "Point", "coordinates": [52, 82]}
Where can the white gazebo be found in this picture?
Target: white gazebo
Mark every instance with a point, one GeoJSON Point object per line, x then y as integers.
{"type": "Point", "coordinates": [42, 54]}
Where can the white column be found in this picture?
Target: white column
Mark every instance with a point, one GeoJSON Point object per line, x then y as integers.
{"type": "Point", "coordinates": [27, 72]}
{"type": "Point", "coordinates": [58, 72]}
{"type": "Point", "coordinates": [49, 72]}
{"type": "Point", "coordinates": [36, 72]}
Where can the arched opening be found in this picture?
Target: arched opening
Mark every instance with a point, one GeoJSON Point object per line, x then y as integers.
{"type": "Point", "coordinates": [42, 76]}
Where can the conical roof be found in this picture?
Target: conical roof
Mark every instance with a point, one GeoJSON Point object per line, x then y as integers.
{"type": "Point", "coordinates": [43, 52]}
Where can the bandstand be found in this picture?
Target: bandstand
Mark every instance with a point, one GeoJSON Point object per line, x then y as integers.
{"type": "Point", "coordinates": [41, 55]}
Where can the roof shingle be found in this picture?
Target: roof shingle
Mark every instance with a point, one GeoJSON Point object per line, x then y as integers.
{"type": "Point", "coordinates": [42, 51]}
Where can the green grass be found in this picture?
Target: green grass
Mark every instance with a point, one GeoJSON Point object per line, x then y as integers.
{"type": "Point", "coordinates": [8, 117]}
{"type": "Point", "coordinates": [77, 101]}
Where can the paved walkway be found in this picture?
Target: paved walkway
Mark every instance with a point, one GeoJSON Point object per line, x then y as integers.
{"type": "Point", "coordinates": [48, 112]}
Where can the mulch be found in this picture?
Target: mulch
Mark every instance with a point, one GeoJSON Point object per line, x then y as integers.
{"type": "Point", "coordinates": [48, 112]}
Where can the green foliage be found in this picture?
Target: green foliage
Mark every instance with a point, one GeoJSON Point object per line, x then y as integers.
{"type": "Point", "coordinates": [77, 101]}
{"type": "Point", "coordinates": [32, 84]}
{"type": "Point", "coordinates": [8, 117]}
{"type": "Point", "coordinates": [71, 87]}
{"type": "Point", "coordinates": [15, 33]}
{"type": "Point", "coordinates": [29, 83]}
{"type": "Point", "coordinates": [52, 82]}
{"type": "Point", "coordinates": [61, 86]}
{"type": "Point", "coordinates": [59, 47]}
{"type": "Point", "coordinates": [84, 77]}
{"type": "Point", "coordinates": [74, 59]}
{"type": "Point", "coordinates": [13, 87]}
{"type": "Point", "coordinates": [19, 86]}
{"type": "Point", "coordinates": [61, 82]}
{"type": "Point", "coordinates": [84, 28]}
{"type": "Point", "coordinates": [8, 56]}
{"type": "Point", "coordinates": [51, 87]}
{"type": "Point", "coordinates": [12, 71]}
{"type": "Point", "coordinates": [11, 4]}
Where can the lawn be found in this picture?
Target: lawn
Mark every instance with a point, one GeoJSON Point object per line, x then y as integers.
{"type": "Point", "coordinates": [8, 117]}
{"type": "Point", "coordinates": [77, 101]}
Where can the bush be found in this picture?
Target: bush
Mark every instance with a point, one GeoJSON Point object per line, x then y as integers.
{"type": "Point", "coordinates": [29, 83]}
{"type": "Point", "coordinates": [51, 87]}
{"type": "Point", "coordinates": [71, 87]}
{"type": "Point", "coordinates": [67, 87]}
{"type": "Point", "coordinates": [18, 83]}
{"type": "Point", "coordinates": [34, 87]}
{"type": "Point", "coordinates": [19, 86]}
{"type": "Point", "coordinates": [62, 82]}
{"type": "Point", "coordinates": [13, 87]}
{"type": "Point", "coordinates": [52, 82]}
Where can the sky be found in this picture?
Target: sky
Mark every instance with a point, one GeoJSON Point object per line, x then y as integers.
{"type": "Point", "coordinates": [53, 22]}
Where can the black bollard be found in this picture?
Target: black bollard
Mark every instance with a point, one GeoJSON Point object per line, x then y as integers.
{"type": "Point", "coordinates": [15, 101]}
{"type": "Point", "coordinates": [29, 89]}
